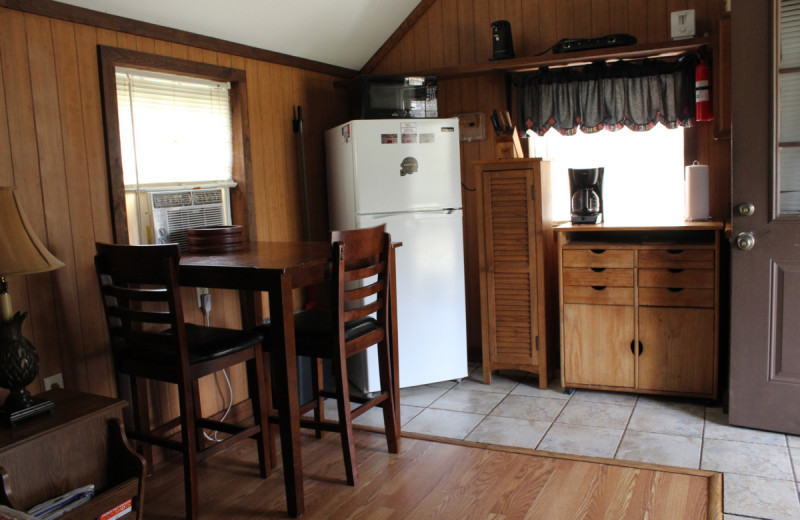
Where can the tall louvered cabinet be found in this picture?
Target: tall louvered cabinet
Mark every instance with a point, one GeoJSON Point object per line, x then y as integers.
{"type": "Point", "coordinates": [518, 280]}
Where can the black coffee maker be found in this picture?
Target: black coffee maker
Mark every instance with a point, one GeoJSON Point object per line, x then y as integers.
{"type": "Point", "coordinates": [586, 189]}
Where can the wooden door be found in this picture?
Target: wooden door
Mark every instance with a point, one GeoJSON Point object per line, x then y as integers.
{"type": "Point", "coordinates": [511, 263]}
{"type": "Point", "coordinates": [597, 345]}
{"type": "Point", "coordinates": [677, 353]}
{"type": "Point", "coordinates": [765, 280]}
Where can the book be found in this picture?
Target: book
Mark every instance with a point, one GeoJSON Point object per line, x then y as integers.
{"type": "Point", "coordinates": [117, 512]}
{"type": "Point", "coordinates": [56, 507]}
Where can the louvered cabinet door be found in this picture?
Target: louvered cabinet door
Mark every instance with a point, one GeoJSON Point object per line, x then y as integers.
{"type": "Point", "coordinates": [511, 271]}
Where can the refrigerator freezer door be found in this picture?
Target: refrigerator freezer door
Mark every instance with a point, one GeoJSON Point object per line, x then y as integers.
{"type": "Point", "coordinates": [406, 165]}
{"type": "Point", "coordinates": [431, 311]}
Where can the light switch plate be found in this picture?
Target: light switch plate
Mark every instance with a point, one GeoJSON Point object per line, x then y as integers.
{"type": "Point", "coordinates": [682, 24]}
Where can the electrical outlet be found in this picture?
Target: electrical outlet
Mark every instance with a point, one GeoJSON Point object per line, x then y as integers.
{"type": "Point", "coordinates": [200, 292]}
{"type": "Point", "coordinates": [54, 381]}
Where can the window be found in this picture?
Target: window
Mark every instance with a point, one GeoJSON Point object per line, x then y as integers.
{"type": "Point", "coordinates": [787, 145]}
{"type": "Point", "coordinates": [173, 129]}
{"type": "Point", "coordinates": [173, 123]}
{"type": "Point", "coordinates": [643, 176]}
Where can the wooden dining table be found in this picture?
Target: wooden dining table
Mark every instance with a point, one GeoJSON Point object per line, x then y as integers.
{"type": "Point", "coordinates": [278, 268]}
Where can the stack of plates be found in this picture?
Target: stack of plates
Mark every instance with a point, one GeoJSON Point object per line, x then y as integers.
{"type": "Point", "coordinates": [215, 239]}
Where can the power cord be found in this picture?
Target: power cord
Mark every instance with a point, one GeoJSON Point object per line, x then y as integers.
{"type": "Point", "coordinates": [205, 308]}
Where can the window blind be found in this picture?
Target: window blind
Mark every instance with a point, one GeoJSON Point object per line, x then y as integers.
{"type": "Point", "coordinates": [173, 129]}
{"type": "Point", "coordinates": [788, 91]}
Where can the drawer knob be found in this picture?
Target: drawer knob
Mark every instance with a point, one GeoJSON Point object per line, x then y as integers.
{"type": "Point", "coordinates": [598, 251]}
{"type": "Point", "coordinates": [675, 270]}
{"type": "Point", "coordinates": [633, 343]}
{"type": "Point", "coordinates": [598, 269]}
{"type": "Point", "coordinates": [598, 287]}
{"type": "Point", "coordinates": [674, 251]}
{"type": "Point", "coordinates": [674, 289]}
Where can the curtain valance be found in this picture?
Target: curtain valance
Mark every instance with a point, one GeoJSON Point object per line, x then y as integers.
{"type": "Point", "coordinates": [610, 96]}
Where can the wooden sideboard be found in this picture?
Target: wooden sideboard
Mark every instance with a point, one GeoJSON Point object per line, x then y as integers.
{"type": "Point", "coordinates": [639, 307]}
{"type": "Point", "coordinates": [518, 288]}
{"type": "Point", "coordinates": [81, 442]}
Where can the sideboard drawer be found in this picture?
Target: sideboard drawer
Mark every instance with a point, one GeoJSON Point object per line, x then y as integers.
{"type": "Point", "coordinates": [677, 258]}
{"type": "Point", "coordinates": [668, 297]}
{"type": "Point", "coordinates": [682, 278]}
{"type": "Point", "coordinates": [601, 295]}
{"type": "Point", "coordinates": [598, 258]}
{"type": "Point", "coordinates": [598, 276]}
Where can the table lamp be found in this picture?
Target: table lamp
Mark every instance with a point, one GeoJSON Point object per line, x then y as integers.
{"type": "Point", "coordinates": [21, 252]}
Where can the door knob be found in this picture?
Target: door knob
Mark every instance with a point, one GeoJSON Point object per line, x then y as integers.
{"type": "Point", "coordinates": [745, 209]}
{"type": "Point", "coordinates": [745, 241]}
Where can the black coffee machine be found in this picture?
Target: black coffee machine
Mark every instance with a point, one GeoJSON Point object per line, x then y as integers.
{"type": "Point", "coordinates": [586, 189]}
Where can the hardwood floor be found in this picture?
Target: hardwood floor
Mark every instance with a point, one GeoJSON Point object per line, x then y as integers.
{"type": "Point", "coordinates": [438, 480]}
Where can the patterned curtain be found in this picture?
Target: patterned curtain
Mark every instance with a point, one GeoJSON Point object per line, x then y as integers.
{"type": "Point", "coordinates": [608, 96]}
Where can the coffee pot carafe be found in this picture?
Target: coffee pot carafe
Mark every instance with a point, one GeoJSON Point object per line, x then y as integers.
{"type": "Point", "coordinates": [586, 189]}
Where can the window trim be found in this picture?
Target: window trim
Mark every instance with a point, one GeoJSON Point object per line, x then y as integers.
{"type": "Point", "coordinates": [110, 58]}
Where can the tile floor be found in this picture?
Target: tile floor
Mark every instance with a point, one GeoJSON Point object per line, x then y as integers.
{"type": "Point", "coordinates": [761, 469]}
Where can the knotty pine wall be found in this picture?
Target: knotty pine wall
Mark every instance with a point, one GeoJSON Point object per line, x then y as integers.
{"type": "Point", "coordinates": [52, 148]}
{"type": "Point", "coordinates": [457, 33]}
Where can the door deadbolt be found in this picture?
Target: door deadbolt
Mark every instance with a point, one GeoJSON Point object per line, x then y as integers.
{"type": "Point", "coordinates": [745, 241]}
{"type": "Point", "coordinates": [745, 209]}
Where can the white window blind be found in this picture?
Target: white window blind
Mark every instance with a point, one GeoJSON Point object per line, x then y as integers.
{"type": "Point", "coordinates": [173, 129]}
{"type": "Point", "coordinates": [788, 142]}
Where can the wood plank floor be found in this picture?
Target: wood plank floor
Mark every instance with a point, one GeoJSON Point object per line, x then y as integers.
{"type": "Point", "coordinates": [439, 480]}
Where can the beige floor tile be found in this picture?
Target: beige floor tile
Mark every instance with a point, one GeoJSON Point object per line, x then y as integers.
{"type": "Point", "coordinates": [757, 497]}
{"type": "Point", "coordinates": [524, 407]}
{"type": "Point", "coordinates": [581, 440]}
{"type": "Point", "coordinates": [468, 401]}
{"type": "Point", "coordinates": [672, 420]}
{"type": "Point", "coordinates": [530, 387]}
{"type": "Point", "coordinates": [521, 433]}
{"type": "Point", "coordinates": [421, 395]}
{"type": "Point", "coordinates": [794, 453]}
{"type": "Point", "coordinates": [597, 396]}
{"type": "Point", "coordinates": [794, 441]}
{"type": "Point", "coordinates": [658, 448]}
{"type": "Point", "coordinates": [443, 423]}
{"type": "Point", "coordinates": [747, 458]}
{"type": "Point", "coordinates": [717, 427]}
{"type": "Point", "coordinates": [602, 415]}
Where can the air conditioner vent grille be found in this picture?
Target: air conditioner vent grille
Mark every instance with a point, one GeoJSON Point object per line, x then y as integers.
{"type": "Point", "coordinates": [201, 198]}
{"type": "Point", "coordinates": [180, 221]}
{"type": "Point", "coordinates": [172, 199]}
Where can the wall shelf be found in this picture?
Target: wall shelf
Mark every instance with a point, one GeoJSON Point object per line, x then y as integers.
{"type": "Point", "coordinates": [523, 64]}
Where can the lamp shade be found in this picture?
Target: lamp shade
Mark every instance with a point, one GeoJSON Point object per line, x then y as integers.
{"type": "Point", "coordinates": [21, 251]}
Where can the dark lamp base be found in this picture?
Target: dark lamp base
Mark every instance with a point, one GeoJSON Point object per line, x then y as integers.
{"type": "Point", "coordinates": [10, 415]}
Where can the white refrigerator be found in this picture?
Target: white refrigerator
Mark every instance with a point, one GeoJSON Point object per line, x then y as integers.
{"type": "Point", "coordinates": [406, 173]}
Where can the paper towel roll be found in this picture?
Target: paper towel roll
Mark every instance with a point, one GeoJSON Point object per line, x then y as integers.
{"type": "Point", "coordinates": [695, 206]}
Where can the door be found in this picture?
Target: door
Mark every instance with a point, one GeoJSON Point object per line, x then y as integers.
{"type": "Point", "coordinates": [765, 280]}
{"type": "Point", "coordinates": [406, 164]}
{"type": "Point", "coordinates": [431, 312]}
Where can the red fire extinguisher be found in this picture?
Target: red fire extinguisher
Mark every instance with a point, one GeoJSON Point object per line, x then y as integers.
{"type": "Point", "coordinates": [702, 91]}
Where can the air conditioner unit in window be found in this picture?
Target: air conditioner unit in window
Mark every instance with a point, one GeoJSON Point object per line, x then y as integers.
{"type": "Point", "coordinates": [173, 212]}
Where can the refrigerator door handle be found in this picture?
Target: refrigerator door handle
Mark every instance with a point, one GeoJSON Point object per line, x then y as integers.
{"type": "Point", "coordinates": [422, 212]}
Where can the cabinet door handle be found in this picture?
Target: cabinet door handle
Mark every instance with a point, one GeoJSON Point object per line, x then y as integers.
{"type": "Point", "coordinates": [674, 251]}
{"type": "Point", "coordinates": [675, 289]}
{"type": "Point", "coordinates": [598, 251]}
{"type": "Point", "coordinates": [675, 270]}
{"type": "Point", "coordinates": [598, 287]}
{"type": "Point", "coordinates": [633, 342]}
{"type": "Point", "coordinates": [598, 269]}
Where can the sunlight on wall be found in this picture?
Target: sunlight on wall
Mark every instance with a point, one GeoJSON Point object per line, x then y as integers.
{"type": "Point", "coordinates": [643, 177]}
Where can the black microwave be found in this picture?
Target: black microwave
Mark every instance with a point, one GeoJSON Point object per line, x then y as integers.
{"type": "Point", "coordinates": [386, 97]}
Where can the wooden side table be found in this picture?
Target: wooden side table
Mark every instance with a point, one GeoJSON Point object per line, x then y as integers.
{"type": "Point", "coordinates": [81, 442]}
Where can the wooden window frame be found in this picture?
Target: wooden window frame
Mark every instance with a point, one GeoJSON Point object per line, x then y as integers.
{"type": "Point", "coordinates": [242, 204]}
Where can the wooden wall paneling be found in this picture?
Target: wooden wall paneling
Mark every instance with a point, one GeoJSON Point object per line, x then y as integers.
{"type": "Point", "coordinates": [196, 54]}
{"type": "Point", "coordinates": [565, 18]}
{"type": "Point", "coordinates": [450, 29]}
{"type": "Point", "coordinates": [531, 41]}
{"type": "Point", "coordinates": [482, 30]}
{"type": "Point", "coordinates": [407, 52]}
{"type": "Point", "coordinates": [126, 41]}
{"type": "Point", "coordinates": [262, 145]}
{"type": "Point", "coordinates": [6, 165]}
{"type": "Point", "coordinates": [288, 172]}
{"type": "Point", "coordinates": [548, 32]}
{"type": "Point", "coordinates": [54, 326]}
{"type": "Point", "coordinates": [80, 214]}
{"type": "Point", "coordinates": [22, 141]}
{"type": "Point", "coordinates": [162, 48]}
{"type": "Point", "coordinates": [180, 51]}
{"type": "Point", "coordinates": [618, 17]}
{"type": "Point", "coordinates": [583, 19]}
{"type": "Point", "coordinates": [601, 18]}
{"type": "Point", "coordinates": [658, 21]}
{"type": "Point", "coordinates": [144, 44]}
{"type": "Point", "coordinates": [422, 47]}
{"type": "Point", "coordinates": [466, 32]}
{"type": "Point", "coordinates": [512, 12]}
{"type": "Point", "coordinates": [437, 36]}
{"type": "Point", "coordinates": [637, 20]}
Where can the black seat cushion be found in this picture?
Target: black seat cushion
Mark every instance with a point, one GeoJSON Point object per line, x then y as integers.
{"type": "Point", "coordinates": [312, 331]}
{"type": "Point", "coordinates": [204, 344]}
